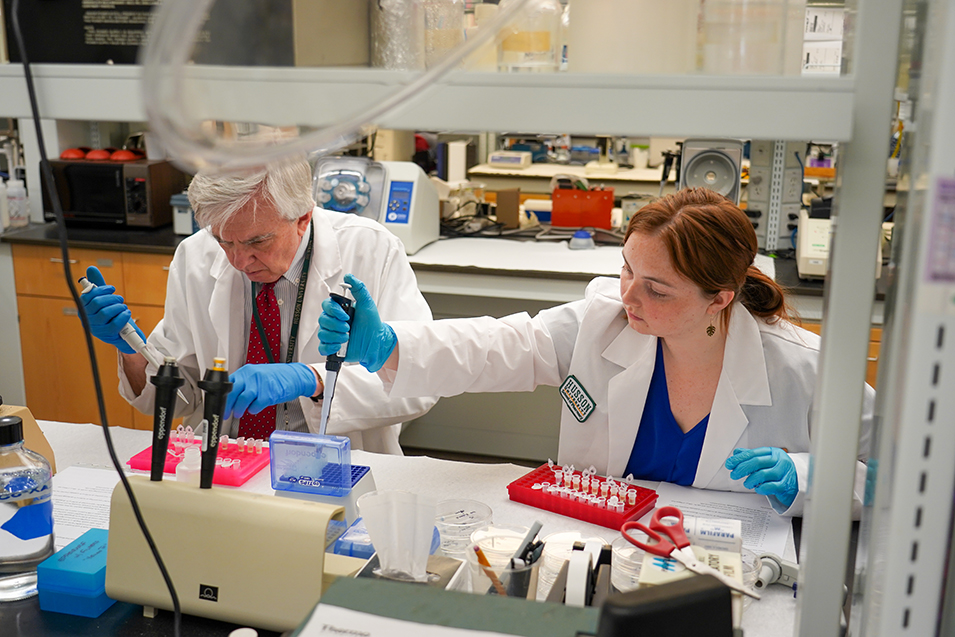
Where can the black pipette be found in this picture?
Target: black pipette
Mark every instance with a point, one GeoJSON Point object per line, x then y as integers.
{"type": "Point", "coordinates": [333, 364]}
{"type": "Point", "coordinates": [167, 381]}
{"type": "Point", "coordinates": [216, 386]}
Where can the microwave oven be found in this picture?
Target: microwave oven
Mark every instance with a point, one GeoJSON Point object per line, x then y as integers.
{"type": "Point", "coordinates": [127, 194]}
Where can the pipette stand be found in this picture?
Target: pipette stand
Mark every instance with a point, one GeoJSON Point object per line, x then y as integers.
{"type": "Point", "coordinates": [235, 556]}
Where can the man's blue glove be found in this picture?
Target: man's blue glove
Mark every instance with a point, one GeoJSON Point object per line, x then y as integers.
{"type": "Point", "coordinates": [770, 469]}
{"type": "Point", "coordinates": [106, 312]}
{"type": "Point", "coordinates": [255, 387]}
{"type": "Point", "coordinates": [370, 342]}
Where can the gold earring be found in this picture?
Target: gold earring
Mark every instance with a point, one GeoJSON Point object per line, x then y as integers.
{"type": "Point", "coordinates": [711, 330]}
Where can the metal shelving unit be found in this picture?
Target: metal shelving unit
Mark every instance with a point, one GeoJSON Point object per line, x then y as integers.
{"type": "Point", "coordinates": [854, 108]}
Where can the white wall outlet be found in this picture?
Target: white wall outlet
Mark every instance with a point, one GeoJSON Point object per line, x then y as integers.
{"type": "Point", "coordinates": [792, 185]}
{"type": "Point", "coordinates": [758, 188]}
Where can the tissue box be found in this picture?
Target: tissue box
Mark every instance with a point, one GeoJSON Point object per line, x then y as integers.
{"type": "Point", "coordinates": [73, 580]}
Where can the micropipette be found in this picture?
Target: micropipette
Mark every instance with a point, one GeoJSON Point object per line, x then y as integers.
{"type": "Point", "coordinates": [166, 380]}
{"type": "Point", "coordinates": [333, 363]}
{"type": "Point", "coordinates": [132, 338]}
{"type": "Point", "coordinates": [216, 386]}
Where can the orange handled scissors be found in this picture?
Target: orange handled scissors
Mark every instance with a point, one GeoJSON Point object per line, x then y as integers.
{"type": "Point", "coordinates": [669, 540]}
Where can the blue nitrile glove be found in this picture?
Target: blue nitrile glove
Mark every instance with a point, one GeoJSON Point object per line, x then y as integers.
{"type": "Point", "coordinates": [370, 342]}
{"type": "Point", "coordinates": [106, 312]}
{"type": "Point", "coordinates": [770, 471]}
{"type": "Point", "coordinates": [255, 387]}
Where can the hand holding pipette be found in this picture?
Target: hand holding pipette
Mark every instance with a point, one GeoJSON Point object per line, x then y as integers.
{"type": "Point", "coordinates": [333, 360]}
{"type": "Point", "coordinates": [111, 321]}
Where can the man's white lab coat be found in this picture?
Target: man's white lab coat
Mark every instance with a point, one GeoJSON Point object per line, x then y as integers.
{"type": "Point", "coordinates": [204, 319]}
{"type": "Point", "coordinates": [764, 396]}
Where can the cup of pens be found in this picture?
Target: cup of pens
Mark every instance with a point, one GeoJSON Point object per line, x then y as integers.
{"type": "Point", "coordinates": [502, 562]}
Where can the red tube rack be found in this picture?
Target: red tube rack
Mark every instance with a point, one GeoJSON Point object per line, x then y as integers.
{"type": "Point", "coordinates": [251, 464]}
{"type": "Point", "coordinates": [522, 490]}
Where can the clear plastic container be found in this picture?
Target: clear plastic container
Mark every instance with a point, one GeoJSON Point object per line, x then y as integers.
{"type": "Point", "coordinates": [534, 39]}
{"type": "Point", "coordinates": [456, 521]}
{"type": "Point", "coordinates": [751, 37]}
{"type": "Point", "coordinates": [18, 206]}
{"type": "Point", "coordinates": [443, 28]}
{"type": "Point", "coordinates": [26, 508]}
{"type": "Point", "coordinates": [625, 563]}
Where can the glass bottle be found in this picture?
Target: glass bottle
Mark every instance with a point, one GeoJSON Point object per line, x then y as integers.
{"type": "Point", "coordinates": [532, 42]}
{"type": "Point", "coordinates": [26, 507]}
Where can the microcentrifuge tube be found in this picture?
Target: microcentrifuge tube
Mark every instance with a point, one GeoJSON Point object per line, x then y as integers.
{"type": "Point", "coordinates": [585, 484]}
{"type": "Point", "coordinates": [602, 503]}
{"type": "Point", "coordinates": [223, 443]}
{"type": "Point", "coordinates": [576, 482]}
{"type": "Point", "coordinates": [258, 445]}
{"type": "Point", "coordinates": [604, 490]}
{"type": "Point", "coordinates": [241, 442]}
{"type": "Point", "coordinates": [558, 477]}
{"type": "Point", "coordinates": [632, 497]}
{"type": "Point", "coordinates": [235, 464]}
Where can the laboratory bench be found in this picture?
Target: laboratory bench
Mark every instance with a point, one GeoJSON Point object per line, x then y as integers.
{"type": "Point", "coordinates": [82, 445]}
{"type": "Point", "coordinates": [459, 277]}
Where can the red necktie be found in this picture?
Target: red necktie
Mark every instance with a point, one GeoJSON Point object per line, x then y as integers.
{"type": "Point", "coordinates": [262, 424]}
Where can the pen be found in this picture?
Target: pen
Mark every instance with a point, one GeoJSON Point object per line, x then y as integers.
{"type": "Point", "coordinates": [482, 560]}
{"type": "Point", "coordinates": [216, 386]}
{"type": "Point", "coordinates": [167, 381]}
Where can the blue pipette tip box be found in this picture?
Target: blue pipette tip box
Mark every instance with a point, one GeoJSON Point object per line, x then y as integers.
{"type": "Point", "coordinates": [313, 464]}
{"type": "Point", "coordinates": [73, 580]}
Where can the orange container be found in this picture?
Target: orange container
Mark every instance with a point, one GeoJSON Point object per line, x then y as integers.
{"type": "Point", "coordinates": [581, 208]}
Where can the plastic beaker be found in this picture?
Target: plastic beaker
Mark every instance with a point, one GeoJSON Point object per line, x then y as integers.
{"type": "Point", "coordinates": [456, 520]}
{"type": "Point", "coordinates": [492, 570]}
{"type": "Point", "coordinates": [625, 562]}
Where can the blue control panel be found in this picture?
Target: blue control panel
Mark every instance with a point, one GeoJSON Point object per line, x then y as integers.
{"type": "Point", "coordinates": [398, 208]}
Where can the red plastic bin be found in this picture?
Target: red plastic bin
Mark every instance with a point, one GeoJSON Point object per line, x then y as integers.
{"type": "Point", "coordinates": [521, 490]}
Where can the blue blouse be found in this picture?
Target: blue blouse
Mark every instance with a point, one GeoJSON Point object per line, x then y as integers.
{"type": "Point", "coordinates": [662, 452]}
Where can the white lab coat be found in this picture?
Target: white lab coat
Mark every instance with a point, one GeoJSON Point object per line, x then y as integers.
{"type": "Point", "coordinates": [204, 319]}
{"type": "Point", "coordinates": [764, 396]}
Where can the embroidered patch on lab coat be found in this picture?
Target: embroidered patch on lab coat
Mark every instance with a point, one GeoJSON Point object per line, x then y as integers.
{"type": "Point", "coordinates": [577, 399]}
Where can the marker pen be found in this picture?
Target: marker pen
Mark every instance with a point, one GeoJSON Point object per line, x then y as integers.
{"type": "Point", "coordinates": [167, 381]}
{"type": "Point", "coordinates": [216, 386]}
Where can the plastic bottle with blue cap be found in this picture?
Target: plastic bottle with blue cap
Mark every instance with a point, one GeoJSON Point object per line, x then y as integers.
{"type": "Point", "coordinates": [582, 240]}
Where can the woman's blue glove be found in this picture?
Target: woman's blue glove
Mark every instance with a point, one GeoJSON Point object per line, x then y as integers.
{"type": "Point", "coordinates": [106, 312]}
{"type": "Point", "coordinates": [370, 342]}
{"type": "Point", "coordinates": [255, 387]}
{"type": "Point", "coordinates": [770, 469]}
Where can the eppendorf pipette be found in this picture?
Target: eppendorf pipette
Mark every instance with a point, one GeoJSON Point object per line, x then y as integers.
{"type": "Point", "coordinates": [333, 364]}
{"type": "Point", "coordinates": [132, 338]}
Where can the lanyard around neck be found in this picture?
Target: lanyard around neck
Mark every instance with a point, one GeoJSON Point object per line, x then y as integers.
{"type": "Point", "coordinates": [296, 316]}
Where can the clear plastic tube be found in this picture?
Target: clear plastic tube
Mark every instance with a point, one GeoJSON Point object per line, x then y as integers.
{"type": "Point", "coordinates": [173, 87]}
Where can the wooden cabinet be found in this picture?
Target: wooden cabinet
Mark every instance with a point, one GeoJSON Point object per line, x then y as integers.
{"type": "Point", "coordinates": [56, 366]}
{"type": "Point", "coordinates": [875, 344]}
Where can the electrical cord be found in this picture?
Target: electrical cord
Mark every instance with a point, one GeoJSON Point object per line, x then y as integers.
{"type": "Point", "coordinates": [47, 179]}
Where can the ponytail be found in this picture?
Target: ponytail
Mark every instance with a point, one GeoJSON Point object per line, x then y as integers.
{"type": "Point", "coordinates": [765, 298]}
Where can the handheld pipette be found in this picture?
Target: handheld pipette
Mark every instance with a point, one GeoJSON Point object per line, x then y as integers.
{"type": "Point", "coordinates": [132, 338]}
{"type": "Point", "coordinates": [216, 386]}
{"type": "Point", "coordinates": [333, 363]}
{"type": "Point", "coordinates": [166, 380]}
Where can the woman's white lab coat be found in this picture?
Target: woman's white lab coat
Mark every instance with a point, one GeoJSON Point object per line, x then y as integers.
{"type": "Point", "coordinates": [764, 396]}
{"type": "Point", "coordinates": [205, 319]}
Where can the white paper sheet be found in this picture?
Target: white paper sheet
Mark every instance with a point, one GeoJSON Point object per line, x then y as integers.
{"type": "Point", "coordinates": [81, 502]}
{"type": "Point", "coordinates": [334, 620]}
{"type": "Point", "coordinates": [764, 530]}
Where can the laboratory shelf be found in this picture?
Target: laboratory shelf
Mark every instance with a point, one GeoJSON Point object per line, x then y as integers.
{"type": "Point", "coordinates": [758, 107]}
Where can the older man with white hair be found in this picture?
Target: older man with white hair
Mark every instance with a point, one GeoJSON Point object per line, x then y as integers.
{"type": "Point", "coordinates": [249, 288]}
